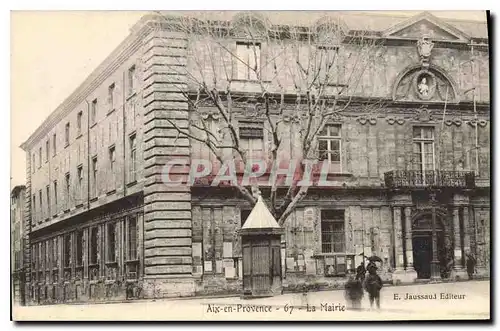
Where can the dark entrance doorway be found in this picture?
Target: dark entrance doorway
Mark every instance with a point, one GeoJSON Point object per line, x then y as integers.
{"type": "Point", "coordinates": [422, 246]}
{"type": "Point", "coordinates": [422, 252]}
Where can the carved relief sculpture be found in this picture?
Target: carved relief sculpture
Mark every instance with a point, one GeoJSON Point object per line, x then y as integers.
{"type": "Point", "coordinates": [425, 46]}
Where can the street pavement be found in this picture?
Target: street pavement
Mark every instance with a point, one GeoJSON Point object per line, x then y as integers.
{"type": "Point", "coordinates": [462, 300]}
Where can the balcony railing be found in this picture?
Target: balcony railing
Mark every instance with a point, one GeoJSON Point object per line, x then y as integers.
{"type": "Point", "coordinates": [429, 178]}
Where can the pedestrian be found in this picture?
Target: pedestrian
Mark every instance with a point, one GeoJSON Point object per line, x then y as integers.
{"type": "Point", "coordinates": [354, 292]}
{"type": "Point", "coordinates": [471, 263]}
{"type": "Point", "coordinates": [373, 285]}
{"type": "Point", "coordinates": [361, 272]}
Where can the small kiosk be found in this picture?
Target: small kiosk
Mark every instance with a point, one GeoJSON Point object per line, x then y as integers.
{"type": "Point", "coordinates": [261, 243]}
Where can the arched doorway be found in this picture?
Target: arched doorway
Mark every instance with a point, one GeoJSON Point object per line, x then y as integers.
{"type": "Point", "coordinates": [422, 243]}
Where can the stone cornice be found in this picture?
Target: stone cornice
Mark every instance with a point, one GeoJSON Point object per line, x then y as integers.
{"type": "Point", "coordinates": [119, 55]}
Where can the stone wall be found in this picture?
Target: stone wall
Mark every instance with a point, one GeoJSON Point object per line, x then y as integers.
{"type": "Point", "coordinates": [167, 236]}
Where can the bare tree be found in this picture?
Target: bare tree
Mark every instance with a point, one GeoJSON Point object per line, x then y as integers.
{"type": "Point", "coordinates": [311, 73]}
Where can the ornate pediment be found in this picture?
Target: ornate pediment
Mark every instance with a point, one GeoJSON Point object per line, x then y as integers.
{"type": "Point", "coordinates": [426, 24]}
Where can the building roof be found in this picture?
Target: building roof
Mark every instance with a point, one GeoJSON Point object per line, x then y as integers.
{"type": "Point", "coordinates": [260, 218]}
{"type": "Point", "coordinates": [354, 20]}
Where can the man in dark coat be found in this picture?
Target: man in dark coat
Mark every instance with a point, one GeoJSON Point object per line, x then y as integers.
{"type": "Point", "coordinates": [471, 263]}
{"type": "Point", "coordinates": [361, 272]}
{"type": "Point", "coordinates": [373, 284]}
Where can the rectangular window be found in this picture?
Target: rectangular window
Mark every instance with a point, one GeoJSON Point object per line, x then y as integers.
{"type": "Point", "coordinates": [131, 80]}
{"type": "Point", "coordinates": [80, 178]}
{"type": "Point", "coordinates": [111, 242]}
{"type": "Point", "coordinates": [133, 163]}
{"type": "Point", "coordinates": [111, 97]}
{"type": "Point", "coordinates": [94, 175]}
{"type": "Point", "coordinates": [332, 231]}
{"type": "Point", "coordinates": [252, 139]}
{"type": "Point", "coordinates": [34, 216]}
{"type": "Point", "coordinates": [423, 148]}
{"type": "Point", "coordinates": [132, 238]}
{"type": "Point", "coordinates": [41, 204]}
{"type": "Point", "coordinates": [79, 249]}
{"type": "Point", "coordinates": [68, 192]}
{"type": "Point", "coordinates": [330, 65]}
{"type": "Point", "coordinates": [47, 144]}
{"type": "Point", "coordinates": [55, 254]}
{"type": "Point", "coordinates": [67, 251]}
{"type": "Point", "coordinates": [66, 134]}
{"type": "Point", "coordinates": [79, 123]}
{"type": "Point", "coordinates": [33, 164]}
{"type": "Point", "coordinates": [330, 146]}
{"type": "Point", "coordinates": [248, 61]}
{"type": "Point", "coordinates": [40, 157]}
{"type": "Point", "coordinates": [55, 197]}
{"type": "Point", "coordinates": [54, 144]}
{"type": "Point", "coordinates": [43, 261]}
{"type": "Point", "coordinates": [94, 245]}
{"type": "Point", "coordinates": [112, 158]}
{"type": "Point", "coordinates": [93, 113]}
{"type": "Point", "coordinates": [48, 200]}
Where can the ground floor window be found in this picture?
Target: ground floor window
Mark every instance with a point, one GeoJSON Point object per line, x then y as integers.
{"type": "Point", "coordinates": [108, 249]}
{"type": "Point", "coordinates": [332, 231]}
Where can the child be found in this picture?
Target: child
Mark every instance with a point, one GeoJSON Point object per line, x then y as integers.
{"type": "Point", "coordinates": [373, 285]}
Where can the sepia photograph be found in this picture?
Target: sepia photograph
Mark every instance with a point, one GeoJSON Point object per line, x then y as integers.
{"type": "Point", "coordinates": [250, 165]}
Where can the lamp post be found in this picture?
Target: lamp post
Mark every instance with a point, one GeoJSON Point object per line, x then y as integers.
{"type": "Point", "coordinates": [435, 269]}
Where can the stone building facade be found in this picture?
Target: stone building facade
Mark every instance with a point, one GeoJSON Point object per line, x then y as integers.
{"type": "Point", "coordinates": [17, 235]}
{"type": "Point", "coordinates": [411, 178]}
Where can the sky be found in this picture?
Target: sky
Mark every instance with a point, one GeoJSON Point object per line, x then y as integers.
{"type": "Point", "coordinates": [53, 52]}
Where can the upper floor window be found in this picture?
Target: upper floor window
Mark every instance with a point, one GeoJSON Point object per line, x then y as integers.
{"type": "Point", "coordinates": [423, 148]}
{"type": "Point", "coordinates": [252, 139]}
{"type": "Point", "coordinates": [248, 60]}
{"type": "Point", "coordinates": [47, 192]}
{"type": "Point", "coordinates": [131, 80]}
{"type": "Point", "coordinates": [330, 146]}
{"type": "Point", "coordinates": [94, 175]}
{"type": "Point", "coordinates": [33, 164]}
{"type": "Point", "coordinates": [93, 111]}
{"type": "Point", "coordinates": [112, 157]}
{"type": "Point", "coordinates": [329, 64]}
{"type": "Point", "coordinates": [79, 123]}
{"type": "Point", "coordinates": [80, 179]}
{"type": "Point", "coordinates": [54, 144]}
{"type": "Point", "coordinates": [34, 207]}
{"type": "Point", "coordinates": [133, 162]}
{"type": "Point", "coordinates": [55, 193]}
{"type": "Point", "coordinates": [111, 97]}
{"type": "Point", "coordinates": [66, 134]}
{"type": "Point", "coordinates": [40, 157]}
{"type": "Point", "coordinates": [47, 144]}
{"type": "Point", "coordinates": [41, 201]}
{"type": "Point", "coordinates": [67, 190]}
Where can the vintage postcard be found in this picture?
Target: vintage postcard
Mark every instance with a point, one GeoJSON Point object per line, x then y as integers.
{"type": "Point", "coordinates": [259, 165]}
